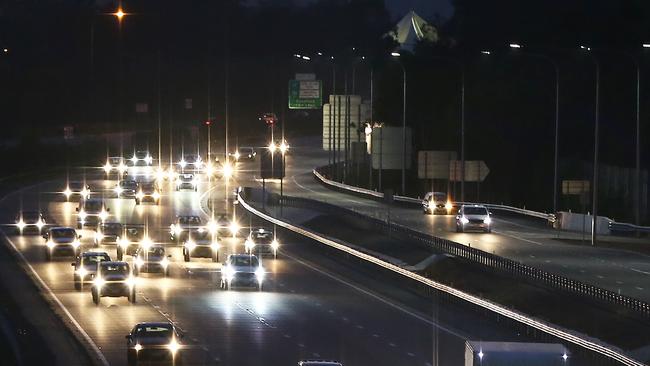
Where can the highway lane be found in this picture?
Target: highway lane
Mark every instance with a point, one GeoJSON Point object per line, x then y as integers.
{"type": "Point", "coordinates": [518, 239]}
{"type": "Point", "coordinates": [305, 312]}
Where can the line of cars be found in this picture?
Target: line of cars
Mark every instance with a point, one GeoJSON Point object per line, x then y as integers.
{"type": "Point", "coordinates": [469, 217]}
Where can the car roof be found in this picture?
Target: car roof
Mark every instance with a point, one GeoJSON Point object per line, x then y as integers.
{"type": "Point", "coordinates": [241, 255]}
{"type": "Point", "coordinates": [474, 206]}
{"type": "Point", "coordinates": [319, 362]}
{"type": "Point", "coordinates": [56, 228]}
{"type": "Point", "coordinates": [93, 200]}
{"type": "Point", "coordinates": [155, 324]}
{"type": "Point", "coordinates": [114, 263]}
{"type": "Point", "coordinates": [89, 254]}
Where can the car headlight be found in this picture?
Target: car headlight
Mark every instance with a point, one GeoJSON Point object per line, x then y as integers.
{"type": "Point", "coordinates": [275, 245]}
{"type": "Point", "coordinates": [99, 282]}
{"type": "Point", "coordinates": [122, 168]}
{"type": "Point", "coordinates": [146, 243]}
{"type": "Point", "coordinates": [67, 192]}
{"type": "Point", "coordinates": [164, 262]}
{"type": "Point", "coordinates": [99, 236]}
{"type": "Point", "coordinates": [234, 228]}
{"type": "Point", "coordinates": [21, 224]}
{"type": "Point", "coordinates": [448, 206]}
{"type": "Point", "coordinates": [487, 220]}
{"type": "Point", "coordinates": [138, 347]}
{"type": "Point", "coordinates": [85, 192]}
{"type": "Point", "coordinates": [40, 224]}
{"type": "Point", "coordinates": [177, 230]}
{"type": "Point", "coordinates": [50, 244]}
{"type": "Point", "coordinates": [237, 155]}
{"type": "Point", "coordinates": [227, 170]}
{"type": "Point", "coordinates": [82, 272]}
{"type": "Point", "coordinates": [139, 262]}
{"type": "Point", "coordinates": [118, 190]}
{"type": "Point", "coordinates": [82, 214]}
{"type": "Point", "coordinates": [182, 163]}
{"type": "Point", "coordinates": [212, 226]}
{"type": "Point", "coordinates": [195, 182]}
{"type": "Point", "coordinates": [123, 243]}
{"type": "Point", "coordinates": [140, 195]}
{"type": "Point", "coordinates": [190, 245]}
{"type": "Point", "coordinates": [173, 346]}
{"type": "Point", "coordinates": [130, 281]}
{"type": "Point", "coordinates": [156, 195]}
{"type": "Point", "coordinates": [148, 159]}
{"type": "Point", "coordinates": [215, 246]}
{"type": "Point", "coordinates": [249, 245]}
{"type": "Point", "coordinates": [107, 168]}
{"type": "Point", "coordinates": [103, 215]}
{"type": "Point", "coordinates": [259, 274]}
{"type": "Point", "coordinates": [76, 243]}
{"type": "Point", "coordinates": [464, 220]}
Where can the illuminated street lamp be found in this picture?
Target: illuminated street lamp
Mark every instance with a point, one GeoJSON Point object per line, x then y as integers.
{"type": "Point", "coordinates": [119, 13]}
{"type": "Point", "coordinates": [284, 147]}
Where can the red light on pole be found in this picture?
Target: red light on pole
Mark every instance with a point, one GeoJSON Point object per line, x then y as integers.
{"type": "Point", "coordinates": [208, 123]}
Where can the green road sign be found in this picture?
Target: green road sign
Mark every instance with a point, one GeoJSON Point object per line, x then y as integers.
{"type": "Point", "coordinates": [305, 94]}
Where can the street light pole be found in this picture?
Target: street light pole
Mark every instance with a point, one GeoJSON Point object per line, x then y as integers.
{"type": "Point", "coordinates": [594, 217]}
{"type": "Point", "coordinates": [462, 134]}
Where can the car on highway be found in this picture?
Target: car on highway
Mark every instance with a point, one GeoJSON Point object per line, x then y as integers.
{"type": "Point", "coordinates": [77, 189]}
{"type": "Point", "coordinates": [91, 212]}
{"type": "Point", "coordinates": [242, 270]}
{"type": "Point", "coordinates": [113, 279]}
{"type": "Point", "coordinates": [473, 217]}
{"type": "Point", "coordinates": [85, 267]}
{"type": "Point", "coordinates": [30, 222]}
{"type": "Point", "coordinates": [115, 164]}
{"type": "Point", "coordinates": [191, 163]}
{"type": "Point", "coordinates": [154, 343]}
{"type": "Point", "coordinates": [436, 203]}
{"type": "Point", "coordinates": [126, 188]}
{"type": "Point", "coordinates": [243, 153]}
{"type": "Point", "coordinates": [223, 226]}
{"type": "Point", "coordinates": [108, 232]}
{"type": "Point", "coordinates": [201, 244]}
{"type": "Point", "coordinates": [61, 240]}
{"type": "Point", "coordinates": [141, 156]}
{"type": "Point", "coordinates": [183, 225]}
{"type": "Point", "coordinates": [148, 192]}
{"type": "Point", "coordinates": [319, 363]}
{"type": "Point", "coordinates": [262, 241]}
{"type": "Point", "coordinates": [152, 258]}
{"type": "Point", "coordinates": [133, 236]}
{"type": "Point", "coordinates": [187, 181]}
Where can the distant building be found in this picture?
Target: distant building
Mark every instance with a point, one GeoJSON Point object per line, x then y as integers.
{"type": "Point", "coordinates": [411, 30]}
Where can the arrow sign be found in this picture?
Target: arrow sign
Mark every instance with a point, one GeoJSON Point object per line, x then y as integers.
{"type": "Point", "coordinates": [475, 170]}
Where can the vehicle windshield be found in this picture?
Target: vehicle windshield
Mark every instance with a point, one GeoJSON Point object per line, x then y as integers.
{"type": "Point", "coordinates": [75, 186]}
{"type": "Point", "coordinates": [244, 260]}
{"type": "Point", "coordinates": [439, 197]}
{"type": "Point", "coordinates": [112, 228]}
{"type": "Point", "coordinates": [64, 234]}
{"type": "Point", "coordinates": [141, 154]}
{"type": "Point", "coordinates": [475, 211]}
{"type": "Point", "coordinates": [189, 220]}
{"type": "Point", "coordinates": [186, 178]}
{"type": "Point", "coordinates": [261, 234]}
{"type": "Point", "coordinates": [114, 161]}
{"type": "Point", "coordinates": [93, 206]}
{"type": "Point", "coordinates": [111, 268]}
{"type": "Point", "coordinates": [192, 158]}
{"type": "Point", "coordinates": [201, 235]}
{"type": "Point", "coordinates": [157, 331]}
{"type": "Point", "coordinates": [31, 216]}
{"type": "Point", "coordinates": [130, 184]}
{"type": "Point", "coordinates": [155, 252]}
{"type": "Point", "coordinates": [148, 187]}
{"type": "Point", "coordinates": [91, 260]}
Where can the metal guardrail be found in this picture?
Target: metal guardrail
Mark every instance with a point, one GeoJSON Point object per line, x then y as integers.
{"type": "Point", "coordinates": [504, 265]}
{"type": "Point", "coordinates": [630, 228]}
{"type": "Point", "coordinates": [417, 201]}
{"type": "Point", "coordinates": [580, 340]}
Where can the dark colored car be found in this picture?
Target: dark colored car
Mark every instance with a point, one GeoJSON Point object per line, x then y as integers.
{"type": "Point", "coordinates": [91, 212]}
{"type": "Point", "coordinates": [132, 237]}
{"type": "Point", "coordinates": [86, 266]}
{"type": "Point", "coordinates": [201, 244]}
{"type": "Point", "coordinates": [152, 258]}
{"type": "Point", "coordinates": [113, 279]}
{"type": "Point", "coordinates": [108, 232]}
{"type": "Point", "coordinates": [80, 189]}
{"type": "Point", "coordinates": [154, 343]}
{"type": "Point", "coordinates": [184, 224]}
{"type": "Point", "coordinates": [61, 240]}
{"type": "Point", "coordinates": [30, 221]}
{"type": "Point", "coordinates": [148, 192]}
{"type": "Point", "coordinates": [126, 188]}
{"type": "Point", "coordinates": [262, 241]}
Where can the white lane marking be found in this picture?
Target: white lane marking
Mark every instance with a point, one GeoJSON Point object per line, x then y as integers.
{"type": "Point", "coordinates": [518, 237]}
{"type": "Point", "coordinates": [375, 296]}
{"type": "Point", "coordinates": [639, 288]}
{"type": "Point", "coordinates": [90, 341]}
{"type": "Point", "coordinates": [639, 271]}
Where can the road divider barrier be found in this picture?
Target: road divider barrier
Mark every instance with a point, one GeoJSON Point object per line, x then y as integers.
{"type": "Point", "coordinates": [580, 340]}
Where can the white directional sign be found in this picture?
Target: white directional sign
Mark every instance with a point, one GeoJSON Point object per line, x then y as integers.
{"type": "Point", "coordinates": [475, 170]}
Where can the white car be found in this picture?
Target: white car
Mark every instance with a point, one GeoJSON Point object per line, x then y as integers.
{"type": "Point", "coordinates": [436, 203]}
{"type": "Point", "coordinates": [242, 269]}
{"type": "Point", "coordinates": [191, 163]}
{"type": "Point", "coordinates": [473, 217]}
{"type": "Point", "coordinates": [187, 181]}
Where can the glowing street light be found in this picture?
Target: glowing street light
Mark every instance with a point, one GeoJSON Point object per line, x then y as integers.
{"type": "Point", "coordinates": [395, 54]}
{"type": "Point", "coordinates": [284, 147]}
{"type": "Point", "coordinates": [119, 14]}
{"type": "Point", "coordinates": [227, 170]}
{"type": "Point", "coordinates": [515, 45]}
{"type": "Point", "coordinates": [272, 147]}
